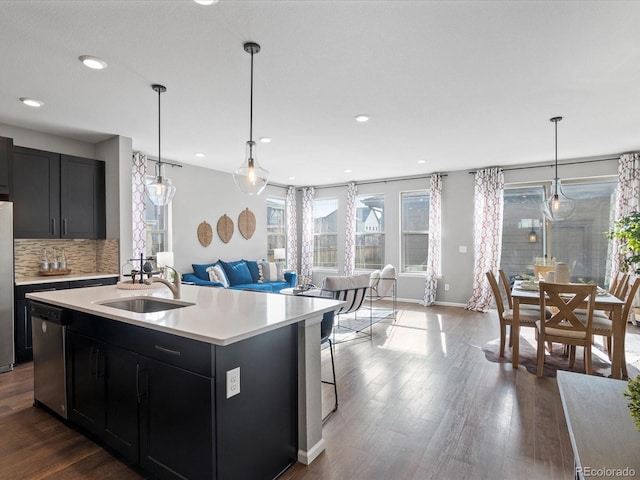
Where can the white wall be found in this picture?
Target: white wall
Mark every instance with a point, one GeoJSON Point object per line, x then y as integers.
{"type": "Point", "coordinates": [204, 195]}
{"type": "Point", "coordinates": [43, 141]}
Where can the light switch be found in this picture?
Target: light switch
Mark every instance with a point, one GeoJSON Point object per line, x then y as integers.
{"type": "Point", "coordinates": [462, 249]}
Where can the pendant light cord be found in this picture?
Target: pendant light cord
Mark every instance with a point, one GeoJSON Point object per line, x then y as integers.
{"type": "Point", "coordinates": [556, 122]}
{"type": "Point", "coordinates": [251, 103]}
{"type": "Point", "coordinates": [159, 156]}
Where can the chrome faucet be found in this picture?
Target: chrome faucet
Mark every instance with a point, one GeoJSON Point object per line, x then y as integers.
{"type": "Point", "coordinates": [174, 287]}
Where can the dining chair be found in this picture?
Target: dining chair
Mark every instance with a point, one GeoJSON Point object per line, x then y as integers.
{"type": "Point", "coordinates": [603, 325]}
{"type": "Point", "coordinates": [566, 325]}
{"type": "Point", "coordinates": [527, 317]}
{"type": "Point", "coordinates": [622, 287]}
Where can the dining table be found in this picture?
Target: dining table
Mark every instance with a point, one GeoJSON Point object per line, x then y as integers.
{"type": "Point", "coordinates": [528, 294]}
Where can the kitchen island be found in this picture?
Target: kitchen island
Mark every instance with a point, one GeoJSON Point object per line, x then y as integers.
{"type": "Point", "coordinates": [227, 385]}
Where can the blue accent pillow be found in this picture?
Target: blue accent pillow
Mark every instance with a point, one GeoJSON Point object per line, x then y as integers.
{"type": "Point", "coordinates": [237, 272]}
{"type": "Point", "coordinates": [201, 270]}
{"type": "Point", "coordinates": [253, 270]}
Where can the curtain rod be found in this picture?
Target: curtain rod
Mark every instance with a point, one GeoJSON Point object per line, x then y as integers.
{"type": "Point", "coordinates": [164, 162]}
{"type": "Point", "coordinates": [371, 182]}
{"type": "Point", "coordinates": [577, 162]}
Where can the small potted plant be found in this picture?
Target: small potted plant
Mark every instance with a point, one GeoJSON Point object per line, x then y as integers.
{"type": "Point", "coordinates": [633, 394]}
{"type": "Point", "coordinates": [627, 231]}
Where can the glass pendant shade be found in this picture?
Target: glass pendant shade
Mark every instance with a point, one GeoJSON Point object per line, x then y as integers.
{"type": "Point", "coordinates": [250, 177]}
{"type": "Point", "coordinates": [160, 190]}
{"type": "Point", "coordinates": [533, 236]}
{"type": "Point", "coordinates": [558, 206]}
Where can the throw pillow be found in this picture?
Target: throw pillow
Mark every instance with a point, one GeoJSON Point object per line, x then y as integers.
{"type": "Point", "coordinates": [212, 275]}
{"type": "Point", "coordinates": [222, 277]}
{"type": "Point", "coordinates": [273, 272]}
{"type": "Point", "coordinates": [260, 274]}
{"type": "Point", "coordinates": [254, 270]}
{"type": "Point", "coordinates": [237, 272]}
{"type": "Point", "coordinates": [200, 270]}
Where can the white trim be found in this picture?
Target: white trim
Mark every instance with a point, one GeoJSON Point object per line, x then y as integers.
{"type": "Point", "coordinates": [307, 456]}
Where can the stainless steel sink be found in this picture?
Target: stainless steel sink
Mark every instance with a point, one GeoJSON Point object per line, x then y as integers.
{"type": "Point", "coordinates": [145, 304]}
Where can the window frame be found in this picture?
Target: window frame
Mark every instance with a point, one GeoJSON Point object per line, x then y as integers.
{"type": "Point", "coordinates": [381, 233]}
{"type": "Point", "coordinates": [403, 232]}
{"type": "Point", "coordinates": [327, 235]}
{"type": "Point", "coordinates": [269, 250]}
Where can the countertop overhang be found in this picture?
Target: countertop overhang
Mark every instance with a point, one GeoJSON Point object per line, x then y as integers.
{"type": "Point", "coordinates": [219, 316]}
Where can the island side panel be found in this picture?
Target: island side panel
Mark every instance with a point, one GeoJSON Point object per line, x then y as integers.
{"type": "Point", "coordinates": [310, 441]}
{"type": "Point", "coordinates": [257, 428]}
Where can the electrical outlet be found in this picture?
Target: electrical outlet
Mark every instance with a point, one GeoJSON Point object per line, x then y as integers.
{"type": "Point", "coordinates": [233, 382]}
{"type": "Point", "coordinates": [446, 287]}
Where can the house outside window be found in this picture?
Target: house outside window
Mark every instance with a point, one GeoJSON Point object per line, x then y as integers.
{"type": "Point", "coordinates": [415, 230]}
{"type": "Point", "coordinates": [325, 233]}
{"type": "Point", "coordinates": [579, 241]}
{"type": "Point", "coordinates": [276, 225]}
{"type": "Point", "coordinates": [370, 239]}
{"type": "Point", "coordinates": [158, 226]}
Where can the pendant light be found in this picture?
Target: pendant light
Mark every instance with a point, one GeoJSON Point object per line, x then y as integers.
{"type": "Point", "coordinates": [160, 190]}
{"type": "Point", "coordinates": [250, 177]}
{"type": "Point", "coordinates": [558, 206]}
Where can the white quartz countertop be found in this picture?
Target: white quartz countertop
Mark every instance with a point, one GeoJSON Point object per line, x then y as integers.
{"type": "Point", "coordinates": [62, 278]}
{"type": "Point", "coordinates": [218, 316]}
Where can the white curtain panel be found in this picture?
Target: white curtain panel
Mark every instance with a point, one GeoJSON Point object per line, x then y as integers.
{"type": "Point", "coordinates": [306, 250]}
{"type": "Point", "coordinates": [628, 199]}
{"type": "Point", "coordinates": [139, 203]}
{"type": "Point", "coordinates": [487, 234]}
{"type": "Point", "coordinates": [350, 238]}
{"type": "Point", "coordinates": [292, 230]}
{"type": "Point", "coordinates": [434, 256]}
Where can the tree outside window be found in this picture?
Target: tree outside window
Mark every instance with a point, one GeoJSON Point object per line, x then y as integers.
{"type": "Point", "coordinates": [415, 230]}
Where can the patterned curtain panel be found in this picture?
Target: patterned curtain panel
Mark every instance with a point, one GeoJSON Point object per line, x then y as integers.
{"type": "Point", "coordinates": [306, 250]}
{"type": "Point", "coordinates": [292, 230]}
{"type": "Point", "coordinates": [350, 238]}
{"type": "Point", "coordinates": [434, 264]}
{"type": "Point", "coordinates": [628, 199]}
{"type": "Point", "coordinates": [139, 204]}
{"type": "Point", "coordinates": [487, 234]}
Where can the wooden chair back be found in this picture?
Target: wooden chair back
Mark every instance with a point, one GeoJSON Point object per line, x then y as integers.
{"type": "Point", "coordinates": [633, 285]}
{"type": "Point", "coordinates": [505, 285]}
{"type": "Point", "coordinates": [496, 293]}
{"type": "Point", "coordinates": [566, 298]}
{"type": "Point", "coordinates": [622, 286]}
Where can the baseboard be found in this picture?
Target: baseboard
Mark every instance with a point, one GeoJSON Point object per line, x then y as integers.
{"type": "Point", "coordinates": [451, 304]}
{"type": "Point", "coordinates": [307, 456]}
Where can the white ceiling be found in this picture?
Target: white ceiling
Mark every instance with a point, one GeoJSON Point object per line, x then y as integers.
{"type": "Point", "coordinates": [459, 84]}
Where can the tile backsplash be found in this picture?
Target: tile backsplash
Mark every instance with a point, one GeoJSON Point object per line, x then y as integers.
{"type": "Point", "coordinates": [83, 256]}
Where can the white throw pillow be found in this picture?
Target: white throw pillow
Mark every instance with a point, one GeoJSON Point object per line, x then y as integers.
{"type": "Point", "coordinates": [222, 277]}
{"type": "Point", "coordinates": [374, 278]}
{"type": "Point", "coordinates": [212, 275]}
{"type": "Point", "coordinates": [387, 280]}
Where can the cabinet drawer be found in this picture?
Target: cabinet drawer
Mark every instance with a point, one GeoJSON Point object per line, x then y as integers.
{"type": "Point", "coordinates": [94, 282]}
{"type": "Point", "coordinates": [192, 355]}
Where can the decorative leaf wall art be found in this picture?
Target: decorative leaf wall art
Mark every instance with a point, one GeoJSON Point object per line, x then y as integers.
{"type": "Point", "coordinates": [205, 234]}
{"type": "Point", "coordinates": [225, 228]}
{"type": "Point", "coordinates": [247, 223]}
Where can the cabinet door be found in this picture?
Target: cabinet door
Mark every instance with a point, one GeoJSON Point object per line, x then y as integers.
{"type": "Point", "coordinates": [82, 197]}
{"type": "Point", "coordinates": [35, 193]}
{"type": "Point", "coordinates": [6, 150]}
{"type": "Point", "coordinates": [22, 320]}
{"type": "Point", "coordinates": [176, 422]}
{"type": "Point", "coordinates": [85, 382]}
{"type": "Point", "coordinates": [121, 401]}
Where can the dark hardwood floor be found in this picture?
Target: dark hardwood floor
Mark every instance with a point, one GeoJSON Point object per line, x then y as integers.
{"type": "Point", "coordinates": [419, 401]}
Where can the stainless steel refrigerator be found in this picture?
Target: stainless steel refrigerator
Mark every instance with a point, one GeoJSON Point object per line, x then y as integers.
{"type": "Point", "coordinates": [7, 355]}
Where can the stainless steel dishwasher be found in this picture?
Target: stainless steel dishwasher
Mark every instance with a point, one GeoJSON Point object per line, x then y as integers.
{"type": "Point", "coordinates": [49, 376]}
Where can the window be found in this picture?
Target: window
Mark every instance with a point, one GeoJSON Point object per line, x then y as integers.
{"type": "Point", "coordinates": [276, 225]}
{"type": "Point", "coordinates": [415, 230]}
{"type": "Point", "coordinates": [369, 232]}
{"type": "Point", "coordinates": [158, 225]}
{"type": "Point", "coordinates": [325, 233]}
{"type": "Point", "coordinates": [578, 241]}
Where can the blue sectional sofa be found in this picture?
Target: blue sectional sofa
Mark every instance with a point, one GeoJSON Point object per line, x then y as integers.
{"type": "Point", "coordinates": [242, 275]}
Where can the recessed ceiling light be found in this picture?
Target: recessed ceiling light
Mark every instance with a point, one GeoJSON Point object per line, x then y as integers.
{"type": "Point", "coordinates": [347, 170]}
{"type": "Point", "coordinates": [265, 139]}
{"type": "Point", "coordinates": [292, 178]}
{"type": "Point", "coordinates": [94, 63]}
{"type": "Point", "coordinates": [422, 161]}
{"type": "Point", "coordinates": [362, 118]}
{"type": "Point", "coordinates": [31, 102]}
{"type": "Point", "coordinates": [200, 155]}
{"type": "Point", "coordinates": [206, 2]}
